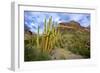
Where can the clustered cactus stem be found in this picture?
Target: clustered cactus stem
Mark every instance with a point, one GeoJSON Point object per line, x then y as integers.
{"type": "Point", "coordinates": [50, 36]}
{"type": "Point", "coordinates": [38, 37]}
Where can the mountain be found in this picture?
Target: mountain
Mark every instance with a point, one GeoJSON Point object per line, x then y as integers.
{"type": "Point", "coordinates": [27, 32]}
{"type": "Point", "coordinates": [73, 25]}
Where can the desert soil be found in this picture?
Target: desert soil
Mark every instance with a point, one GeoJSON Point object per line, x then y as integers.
{"type": "Point", "coordinates": [64, 54]}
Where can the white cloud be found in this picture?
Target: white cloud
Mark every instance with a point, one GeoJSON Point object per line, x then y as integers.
{"type": "Point", "coordinates": [76, 17]}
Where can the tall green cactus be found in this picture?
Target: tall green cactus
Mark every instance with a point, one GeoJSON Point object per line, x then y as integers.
{"type": "Point", "coordinates": [50, 36]}
{"type": "Point", "coordinates": [45, 26]}
{"type": "Point", "coordinates": [38, 37]}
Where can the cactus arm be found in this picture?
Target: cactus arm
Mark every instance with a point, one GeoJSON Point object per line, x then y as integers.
{"type": "Point", "coordinates": [38, 37]}
{"type": "Point", "coordinates": [45, 26]}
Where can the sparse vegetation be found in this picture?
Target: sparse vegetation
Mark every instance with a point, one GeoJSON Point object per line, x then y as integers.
{"type": "Point", "coordinates": [77, 42]}
{"type": "Point", "coordinates": [40, 46]}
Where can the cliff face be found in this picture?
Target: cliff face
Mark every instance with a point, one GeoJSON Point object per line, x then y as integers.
{"type": "Point", "coordinates": [73, 25]}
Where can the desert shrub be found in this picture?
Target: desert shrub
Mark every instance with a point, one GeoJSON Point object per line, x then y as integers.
{"type": "Point", "coordinates": [32, 53]}
{"type": "Point", "coordinates": [77, 42]}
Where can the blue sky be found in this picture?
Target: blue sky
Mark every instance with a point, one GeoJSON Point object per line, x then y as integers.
{"type": "Point", "coordinates": [34, 19]}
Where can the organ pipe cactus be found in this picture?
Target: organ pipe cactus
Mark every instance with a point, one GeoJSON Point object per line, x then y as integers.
{"type": "Point", "coordinates": [50, 36]}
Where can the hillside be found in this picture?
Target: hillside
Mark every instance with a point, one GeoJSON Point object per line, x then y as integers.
{"type": "Point", "coordinates": [74, 26]}
{"type": "Point", "coordinates": [75, 38]}
{"type": "Point", "coordinates": [72, 42]}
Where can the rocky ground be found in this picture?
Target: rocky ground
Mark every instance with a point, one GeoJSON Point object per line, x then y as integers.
{"type": "Point", "coordinates": [64, 54]}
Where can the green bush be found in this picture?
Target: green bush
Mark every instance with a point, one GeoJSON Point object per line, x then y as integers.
{"type": "Point", "coordinates": [32, 53]}
{"type": "Point", "coordinates": [76, 42]}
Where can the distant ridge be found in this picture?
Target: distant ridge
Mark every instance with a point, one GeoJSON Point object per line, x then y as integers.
{"type": "Point", "coordinates": [73, 25]}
